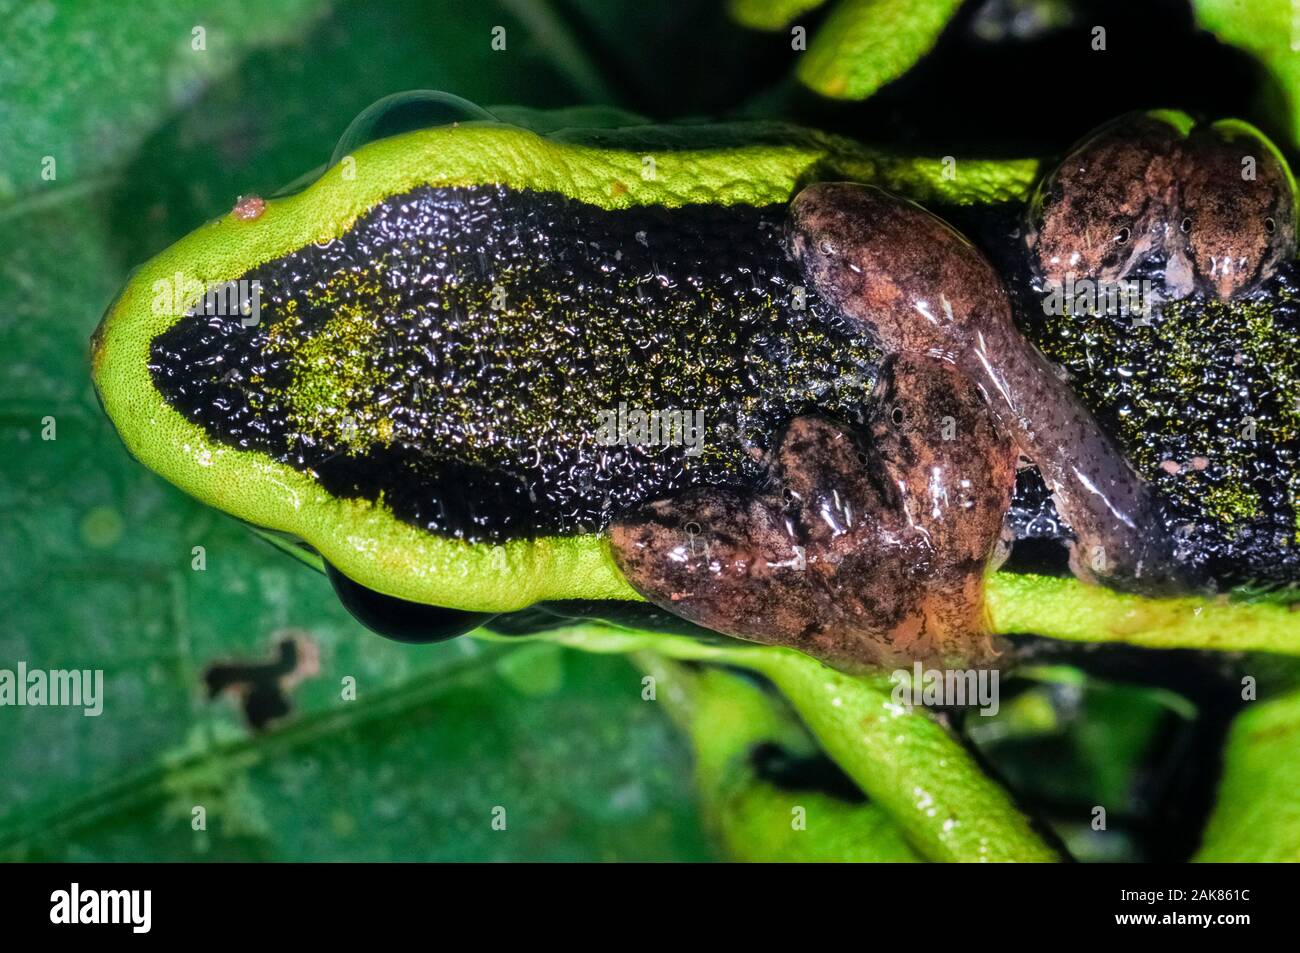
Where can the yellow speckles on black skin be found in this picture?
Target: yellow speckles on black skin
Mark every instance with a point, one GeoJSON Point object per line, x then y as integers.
{"type": "Point", "coordinates": [453, 352]}
{"type": "Point", "coordinates": [1220, 389]}
{"type": "Point", "coordinates": [476, 422]}
{"type": "Point", "coordinates": [1196, 382]}
{"type": "Point", "coordinates": [333, 379]}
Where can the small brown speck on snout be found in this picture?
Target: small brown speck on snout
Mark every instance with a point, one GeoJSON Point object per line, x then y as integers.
{"type": "Point", "coordinates": [249, 207]}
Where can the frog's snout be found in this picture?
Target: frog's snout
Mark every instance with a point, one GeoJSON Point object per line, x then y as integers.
{"type": "Point", "coordinates": [1179, 277]}
{"type": "Point", "coordinates": [1230, 276]}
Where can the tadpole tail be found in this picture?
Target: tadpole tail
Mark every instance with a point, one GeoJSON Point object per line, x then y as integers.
{"type": "Point", "coordinates": [1112, 509]}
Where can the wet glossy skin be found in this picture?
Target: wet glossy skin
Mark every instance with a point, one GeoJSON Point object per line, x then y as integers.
{"type": "Point", "coordinates": [921, 287]}
{"type": "Point", "coordinates": [863, 552]}
{"type": "Point", "coordinates": [1105, 211]}
{"type": "Point", "coordinates": [1232, 231]}
{"type": "Point", "coordinates": [1138, 198]}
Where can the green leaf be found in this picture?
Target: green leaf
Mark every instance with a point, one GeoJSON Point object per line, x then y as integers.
{"type": "Point", "coordinates": [1074, 611]}
{"type": "Point", "coordinates": [909, 764]}
{"type": "Point", "coordinates": [726, 717]}
{"type": "Point", "coordinates": [769, 14]}
{"type": "Point", "coordinates": [865, 44]}
{"type": "Point", "coordinates": [84, 83]}
{"type": "Point", "coordinates": [917, 771]}
{"type": "Point", "coordinates": [408, 772]}
{"type": "Point", "coordinates": [1269, 31]}
{"type": "Point", "coordinates": [1257, 815]}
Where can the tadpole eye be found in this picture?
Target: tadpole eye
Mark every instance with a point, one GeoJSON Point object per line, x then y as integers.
{"type": "Point", "coordinates": [1185, 225]}
{"type": "Point", "coordinates": [897, 415]}
{"type": "Point", "coordinates": [1122, 236]}
{"type": "Point", "coordinates": [1270, 226]}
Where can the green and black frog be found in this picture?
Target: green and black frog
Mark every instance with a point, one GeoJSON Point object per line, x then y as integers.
{"type": "Point", "coordinates": [483, 374]}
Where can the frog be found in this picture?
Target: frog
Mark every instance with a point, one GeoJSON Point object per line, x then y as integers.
{"type": "Point", "coordinates": [920, 286]}
{"type": "Point", "coordinates": [414, 406]}
{"type": "Point", "coordinates": [866, 549]}
{"type": "Point", "coordinates": [1193, 208]}
{"type": "Point", "coordinates": [441, 325]}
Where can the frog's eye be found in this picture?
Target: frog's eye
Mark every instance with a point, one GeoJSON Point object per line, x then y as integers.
{"type": "Point", "coordinates": [898, 416]}
{"type": "Point", "coordinates": [1270, 226]}
{"type": "Point", "coordinates": [1122, 236]}
{"type": "Point", "coordinates": [1185, 225]}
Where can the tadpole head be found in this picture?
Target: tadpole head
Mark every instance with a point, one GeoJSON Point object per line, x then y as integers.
{"type": "Point", "coordinates": [891, 267]}
{"type": "Point", "coordinates": [1102, 214]}
{"type": "Point", "coordinates": [1238, 209]}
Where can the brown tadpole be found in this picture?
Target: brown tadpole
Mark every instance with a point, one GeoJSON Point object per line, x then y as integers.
{"type": "Point", "coordinates": [1106, 210]}
{"type": "Point", "coordinates": [264, 688]}
{"type": "Point", "coordinates": [918, 286]}
{"type": "Point", "coordinates": [1209, 208]}
{"type": "Point", "coordinates": [864, 550]}
{"type": "Point", "coordinates": [1236, 213]}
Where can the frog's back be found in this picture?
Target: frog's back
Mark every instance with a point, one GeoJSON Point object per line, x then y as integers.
{"type": "Point", "coordinates": [481, 357]}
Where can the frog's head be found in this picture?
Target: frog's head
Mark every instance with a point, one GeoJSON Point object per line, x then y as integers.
{"type": "Point", "coordinates": [1102, 214]}
{"type": "Point", "coordinates": [246, 364]}
{"type": "Point", "coordinates": [1237, 208]}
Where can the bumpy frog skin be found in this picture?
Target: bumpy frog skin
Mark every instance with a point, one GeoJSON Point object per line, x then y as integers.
{"type": "Point", "coordinates": [1104, 212]}
{"type": "Point", "coordinates": [921, 287]}
{"type": "Point", "coordinates": [1210, 210]}
{"type": "Point", "coordinates": [862, 553]}
{"type": "Point", "coordinates": [1232, 231]}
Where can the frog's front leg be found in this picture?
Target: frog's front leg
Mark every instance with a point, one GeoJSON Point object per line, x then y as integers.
{"type": "Point", "coordinates": [863, 554]}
